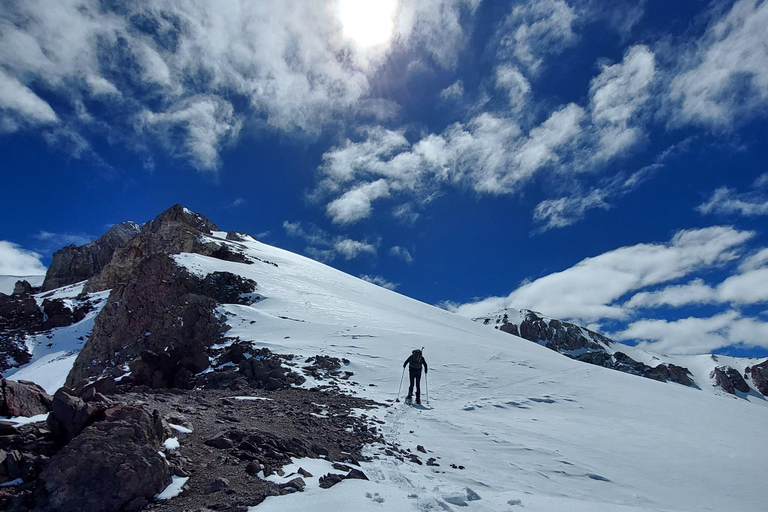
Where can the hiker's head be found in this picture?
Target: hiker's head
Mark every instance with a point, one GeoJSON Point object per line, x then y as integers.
{"type": "Point", "coordinates": [416, 352]}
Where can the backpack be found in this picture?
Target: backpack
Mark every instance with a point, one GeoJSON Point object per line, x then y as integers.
{"type": "Point", "coordinates": [415, 360]}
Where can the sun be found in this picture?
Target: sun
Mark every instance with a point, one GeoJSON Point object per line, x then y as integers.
{"type": "Point", "coordinates": [368, 23]}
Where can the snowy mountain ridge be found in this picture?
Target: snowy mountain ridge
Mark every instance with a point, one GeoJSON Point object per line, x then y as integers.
{"type": "Point", "coordinates": [508, 425]}
{"type": "Point", "coordinates": [743, 377]}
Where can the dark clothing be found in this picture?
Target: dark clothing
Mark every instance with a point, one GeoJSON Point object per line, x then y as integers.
{"type": "Point", "coordinates": [414, 363]}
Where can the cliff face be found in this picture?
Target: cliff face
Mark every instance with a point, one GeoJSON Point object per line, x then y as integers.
{"type": "Point", "coordinates": [73, 264]}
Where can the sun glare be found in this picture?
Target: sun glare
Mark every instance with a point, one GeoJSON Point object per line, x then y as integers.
{"type": "Point", "coordinates": [368, 22]}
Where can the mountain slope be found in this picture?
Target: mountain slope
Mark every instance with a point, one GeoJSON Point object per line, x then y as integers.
{"type": "Point", "coordinates": [510, 423]}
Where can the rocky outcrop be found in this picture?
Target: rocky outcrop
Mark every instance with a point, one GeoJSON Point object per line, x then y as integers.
{"type": "Point", "coordinates": [23, 398]}
{"type": "Point", "coordinates": [22, 287]}
{"type": "Point", "coordinates": [174, 231]}
{"type": "Point", "coordinates": [729, 379]}
{"type": "Point", "coordinates": [74, 264]}
{"type": "Point", "coordinates": [113, 464]}
{"type": "Point", "coordinates": [759, 373]}
{"type": "Point", "coordinates": [582, 344]}
{"type": "Point", "coordinates": [20, 316]}
{"type": "Point", "coordinates": [159, 325]}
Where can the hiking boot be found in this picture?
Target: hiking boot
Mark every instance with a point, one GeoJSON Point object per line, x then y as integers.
{"type": "Point", "coordinates": [418, 400]}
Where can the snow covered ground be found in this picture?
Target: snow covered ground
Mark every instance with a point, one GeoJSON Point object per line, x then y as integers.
{"type": "Point", "coordinates": [512, 425]}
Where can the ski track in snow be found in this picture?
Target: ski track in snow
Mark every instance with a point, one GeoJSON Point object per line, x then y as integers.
{"type": "Point", "coordinates": [532, 429]}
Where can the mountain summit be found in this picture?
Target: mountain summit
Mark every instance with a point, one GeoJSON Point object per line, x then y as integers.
{"type": "Point", "coordinates": [207, 370]}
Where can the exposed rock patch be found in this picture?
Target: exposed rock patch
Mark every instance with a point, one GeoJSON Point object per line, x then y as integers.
{"type": "Point", "coordinates": [729, 379]}
{"type": "Point", "coordinates": [759, 374]}
{"type": "Point", "coordinates": [159, 325]}
{"type": "Point", "coordinates": [584, 345]}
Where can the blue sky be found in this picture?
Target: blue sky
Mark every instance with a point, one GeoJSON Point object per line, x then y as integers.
{"type": "Point", "coordinates": [602, 162]}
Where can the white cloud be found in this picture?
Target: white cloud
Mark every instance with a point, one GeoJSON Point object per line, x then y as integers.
{"type": "Point", "coordinates": [350, 249]}
{"type": "Point", "coordinates": [326, 247]}
{"type": "Point", "coordinates": [17, 261]}
{"type": "Point", "coordinates": [454, 91]}
{"type": "Point", "coordinates": [187, 74]}
{"type": "Point", "coordinates": [618, 95]}
{"type": "Point", "coordinates": [402, 253]}
{"type": "Point", "coordinates": [355, 204]}
{"type": "Point", "coordinates": [696, 335]}
{"type": "Point", "coordinates": [512, 81]}
{"type": "Point", "coordinates": [19, 103]}
{"type": "Point", "coordinates": [535, 30]}
{"type": "Point", "coordinates": [380, 281]}
{"type": "Point", "coordinates": [724, 79]}
{"type": "Point", "coordinates": [590, 290]}
{"type": "Point", "coordinates": [726, 201]}
{"type": "Point", "coordinates": [60, 240]}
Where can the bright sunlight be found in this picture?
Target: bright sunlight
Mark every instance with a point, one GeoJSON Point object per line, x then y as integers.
{"type": "Point", "coordinates": [368, 22]}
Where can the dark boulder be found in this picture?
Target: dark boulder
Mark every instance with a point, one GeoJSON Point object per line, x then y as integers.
{"type": "Point", "coordinates": [22, 287]}
{"type": "Point", "coordinates": [23, 398]}
{"type": "Point", "coordinates": [729, 379]}
{"type": "Point", "coordinates": [70, 415]}
{"type": "Point", "coordinates": [112, 465]}
{"type": "Point", "coordinates": [759, 374]}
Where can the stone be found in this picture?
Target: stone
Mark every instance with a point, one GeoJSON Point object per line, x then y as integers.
{"type": "Point", "coordinates": [70, 415]}
{"type": "Point", "coordinates": [23, 398]}
{"type": "Point", "coordinates": [329, 480]}
{"type": "Point", "coordinates": [113, 464]}
{"type": "Point", "coordinates": [297, 483]}
{"type": "Point", "coordinates": [218, 484]}
{"type": "Point", "coordinates": [22, 287]}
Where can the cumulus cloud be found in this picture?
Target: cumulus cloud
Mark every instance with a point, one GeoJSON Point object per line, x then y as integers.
{"type": "Point", "coordinates": [592, 289]}
{"type": "Point", "coordinates": [511, 80]}
{"type": "Point", "coordinates": [355, 204]}
{"type": "Point", "coordinates": [17, 261]}
{"type": "Point", "coordinates": [696, 335]}
{"type": "Point", "coordinates": [189, 74]}
{"type": "Point", "coordinates": [723, 79]}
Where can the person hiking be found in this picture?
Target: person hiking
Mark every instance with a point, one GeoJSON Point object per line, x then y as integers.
{"type": "Point", "coordinates": [414, 363]}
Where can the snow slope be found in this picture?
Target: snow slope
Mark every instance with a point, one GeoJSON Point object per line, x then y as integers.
{"type": "Point", "coordinates": [532, 430]}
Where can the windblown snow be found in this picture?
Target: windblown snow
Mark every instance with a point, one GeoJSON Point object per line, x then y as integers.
{"type": "Point", "coordinates": [511, 425]}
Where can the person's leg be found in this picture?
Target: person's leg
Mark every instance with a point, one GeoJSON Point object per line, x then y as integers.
{"type": "Point", "coordinates": [418, 388]}
{"type": "Point", "coordinates": [410, 388]}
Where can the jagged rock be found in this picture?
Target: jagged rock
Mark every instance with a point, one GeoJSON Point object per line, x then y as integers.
{"type": "Point", "coordinates": [23, 398]}
{"type": "Point", "coordinates": [160, 320]}
{"type": "Point", "coordinates": [22, 287]}
{"type": "Point", "coordinates": [113, 464]}
{"type": "Point", "coordinates": [219, 484]}
{"type": "Point", "coordinates": [59, 314]}
{"type": "Point", "coordinates": [598, 358]}
{"type": "Point", "coordinates": [329, 480]}
{"type": "Point", "coordinates": [759, 374]}
{"type": "Point", "coordinates": [729, 379]}
{"type": "Point", "coordinates": [174, 231]}
{"type": "Point", "coordinates": [297, 483]}
{"type": "Point", "coordinates": [73, 264]}
{"type": "Point", "coordinates": [70, 415]}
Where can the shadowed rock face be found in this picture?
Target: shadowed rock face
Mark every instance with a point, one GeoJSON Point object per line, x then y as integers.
{"type": "Point", "coordinates": [23, 398]}
{"type": "Point", "coordinates": [729, 379]}
{"type": "Point", "coordinates": [160, 323]}
{"type": "Point", "coordinates": [74, 264]}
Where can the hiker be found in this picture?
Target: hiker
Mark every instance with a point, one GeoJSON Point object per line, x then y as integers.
{"type": "Point", "coordinates": [414, 362]}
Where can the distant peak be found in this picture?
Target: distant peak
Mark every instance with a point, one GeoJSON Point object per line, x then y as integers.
{"type": "Point", "coordinates": [179, 213]}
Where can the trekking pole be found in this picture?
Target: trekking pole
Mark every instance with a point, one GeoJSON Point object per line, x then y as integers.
{"type": "Point", "coordinates": [401, 385]}
{"type": "Point", "coordinates": [426, 385]}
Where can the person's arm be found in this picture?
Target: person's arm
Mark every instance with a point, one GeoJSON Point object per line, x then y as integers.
{"type": "Point", "coordinates": [424, 362]}
{"type": "Point", "coordinates": [406, 361]}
